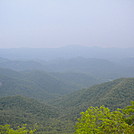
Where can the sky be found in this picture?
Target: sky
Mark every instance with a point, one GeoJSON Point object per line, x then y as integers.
{"type": "Point", "coordinates": [58, 23]}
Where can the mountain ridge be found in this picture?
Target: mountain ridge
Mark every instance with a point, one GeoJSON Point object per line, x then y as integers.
{"type": "Point", "coordinates": [66, 52]}
{"type": "Point", "coordinates": [114, 94]}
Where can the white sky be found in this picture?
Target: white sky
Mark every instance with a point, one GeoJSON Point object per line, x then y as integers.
{"type": "Point", "coordinates": [55, 23]}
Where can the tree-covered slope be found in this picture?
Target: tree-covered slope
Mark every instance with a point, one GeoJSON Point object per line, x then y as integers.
{"type": "Point", "coordinates": [98, 68]}
{"type": "Point", "coordinates": [49, 83]}
{"type": "Point", "coordinates": [42, 85]}
{"type": "Point", "coordinates": [61, 114]}
{"type": "Point", "coordinates": [16, 85]}
{"type": "Point", "coordinates": [113, 94]}
{"type": "Point", "coordinates": [36, 84]}
{"type": "Point", "coordinates": [77, 80]}
{"type": "Point", "coordinates": [18, 110]}
{"type": "Point", "coordinates": [21, 110]}
{"type": "Point", "coordinates": [104, 69]}
{"type": "Point", "coordinates": [21, 64]}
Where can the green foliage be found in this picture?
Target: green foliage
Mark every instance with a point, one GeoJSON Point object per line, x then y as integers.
{"type": "Point", "coordinates": [112, 94]}
{"type": "Point", "coordinates": [78, 80]}
{"type": "Point", "coordinates": [20, 110]}
{"type": "Point", "coordinates": [6, 129]}
{"type": "Point", "coordinates": [100, 120]}
{"type": "Point", "coordinates": [35, 84]}
{"type": "Point", "coordinates": [59, 116]}
{"type": "Point", "coordinates": [129, 114]}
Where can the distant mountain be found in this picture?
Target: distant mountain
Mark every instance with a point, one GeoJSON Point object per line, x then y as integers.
{"type": "Point", "coordinates": [15, 86]}
{"type": "Point", "coordinates": [66, 53]}
{"type": "Point", "coordinates": [127, 61]}
{"type": "Point", "coordinates": [98, 68]}
{"type": "Point", "coordinates": [74, 73]}
{"type": "Point", "coordinates": [20, 65]}
{"type": "Point", "coordinates": [42, 85]}
{"type": "Point", "coordinates": [2, 60]}
{"type": "Point", "coordinates": [49, 83]}
{"type": "Point", "coordinates": [61, 78]}
{"type": "Point", "coordinates": [36, 84]}
{"type": "Point", "coordinates": [77, 80]}
{"type": "Point", "coordinates": [113, 94]}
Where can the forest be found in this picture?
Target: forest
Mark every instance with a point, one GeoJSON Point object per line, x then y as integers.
{"type": "Point", "coordinates": [66, 66]}
{"type": "Point", "coordinates": [66, 96]}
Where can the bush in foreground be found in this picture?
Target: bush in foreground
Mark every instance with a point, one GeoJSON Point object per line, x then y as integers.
{"type": "Point", "coordinates": [100, 120]}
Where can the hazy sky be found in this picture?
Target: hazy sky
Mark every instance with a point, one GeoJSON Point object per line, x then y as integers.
{"type": "Point", "coordinates": [54, 23]}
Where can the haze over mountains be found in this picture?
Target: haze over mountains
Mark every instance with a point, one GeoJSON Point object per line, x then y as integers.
{"type": "Point", "coordinates": [66, 52]}
{"type": "Point", "coordinates": [60, 114]}
{"type": "Point", "coordinates": [50, 87]}
{"type": "Point", "coordinates": [100, 63]}
{"type": "Point", "coordinates": [59, 57]}
{"type": "Point", "coordinates": [62, 70]}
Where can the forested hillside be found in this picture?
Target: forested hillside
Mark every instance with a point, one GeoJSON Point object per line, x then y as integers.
{"type": "Point", "coordinates": [42, 85]}
{"type": "Point", "coordinates": [20, 110]}
{"type": "Point", "coordinates": [66, 67]}
{"type": "Point", "coordinates": [36, 84]}
{"type": "Point", "coordinates": [13, 83]}
{"type": "Point", "coordinates": [59, 116]}
{"type": "Point", "coordinates": [114, 94]}
{"type": "Point", "coordinates": [100, 69]}
{"type": "Point", "coordinates": [50, 95]}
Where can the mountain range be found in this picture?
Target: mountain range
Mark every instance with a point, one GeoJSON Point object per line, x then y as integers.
{"type": "Point", "coordinates": [66, 52]}
{"type": "Point", "coordinates": [60, 114]}
{"type": "Point", "coordinates": [47, 89]}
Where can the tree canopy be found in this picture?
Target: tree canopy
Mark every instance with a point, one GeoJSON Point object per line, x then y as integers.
{"type": "Point", "coordinates": [6, 129]}
{"type": "Point", "coordinates": [100, 120]}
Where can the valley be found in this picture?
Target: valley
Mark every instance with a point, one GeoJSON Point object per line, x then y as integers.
{"type": "Point", "coordinates": [50, 95]}
{"type": "Point", "coordinates": [66, 67]}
